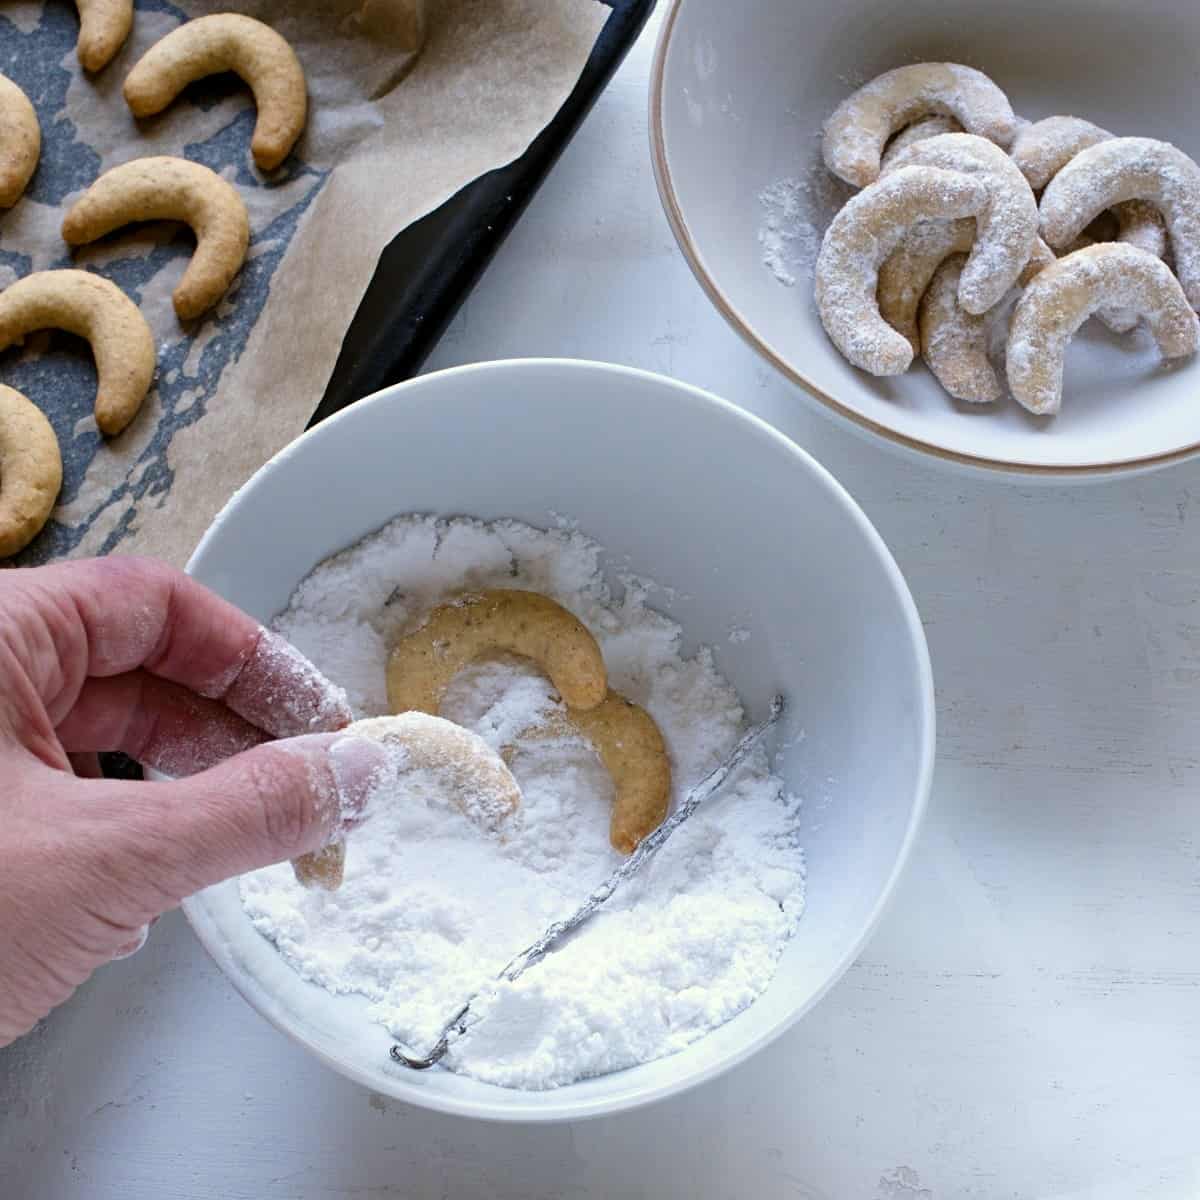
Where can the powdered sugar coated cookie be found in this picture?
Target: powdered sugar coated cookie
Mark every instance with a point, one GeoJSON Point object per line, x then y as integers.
{"type": "Point", "coordinates": [918, 131]}
{"type": "Point", "coordinates": [857, 241]}
{"type": "Point", "coordinates": [1005, 231]}
{"type": "Point", "coordinates": [860, 126]}
{"type": "Point", "coordinates": [1065, 294]}
{"type": "Point", "coordinates": [1133, 168]}
{"type": "Point", "coordinates": [1043, 148]}
{"type": "Point", "coordinates": [954, 341]}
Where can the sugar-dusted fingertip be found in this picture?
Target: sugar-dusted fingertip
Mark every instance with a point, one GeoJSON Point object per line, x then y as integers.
{"type": "Point", "coordinates": [280, 691]}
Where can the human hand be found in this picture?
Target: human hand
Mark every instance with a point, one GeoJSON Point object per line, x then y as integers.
{"type": "Point", "coordinates": [128, 654]}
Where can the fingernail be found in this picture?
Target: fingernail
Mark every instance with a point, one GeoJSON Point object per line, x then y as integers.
{"type": "Point", "coordinates": [134, 944]}
{"type": "Point", "coordinates": [359, 766]}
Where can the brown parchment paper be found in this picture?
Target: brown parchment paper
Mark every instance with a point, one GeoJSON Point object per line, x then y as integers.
{"type": "Point", "coordinates": [389, 138]}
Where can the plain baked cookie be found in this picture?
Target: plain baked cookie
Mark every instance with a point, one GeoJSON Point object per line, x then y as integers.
{"type": "Point", "coordinates": [423, 663]}
{"type": "Point", "coordinates": [103, 27]}
{"type": "Point", "coordinates": [171, 189]}
{"type": "Point", "coordinates": [1043, 148]}
{"type": "Point", "coordinates": [30, 471]}
{"type": "Point", "coordinates": [228, 42]}
{"type": "Point", "coordinates": [20, 142]}
{"type": "Point", "coordinates": [90, 307]}
{"type": "Point", "coordinates": [631, 747]}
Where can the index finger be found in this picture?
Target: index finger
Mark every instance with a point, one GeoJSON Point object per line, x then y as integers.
{"type": "Point", "coordinates": [118, 614]}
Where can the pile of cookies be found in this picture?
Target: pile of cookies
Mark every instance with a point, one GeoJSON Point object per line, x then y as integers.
{"type": "Point", "coordinates": [160, 188]}
{"type": "Point", "coordinates": [949, 222]}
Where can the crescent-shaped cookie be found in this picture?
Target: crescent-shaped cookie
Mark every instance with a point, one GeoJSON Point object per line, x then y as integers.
{"type": "Point", "coordinates": [103, 27]}
{"type": "Point", "coordinates": [861, 236]}
{"type": "Point", "coordinates": [30, 471]}
{"type": "Point", "coordinates": [90, 307]}
{"type": "Point", "coordinates": [954, 341]}
{"type": "Point", "coordinates": [860, 126]}
{"type": "Point", "coordinates": [171, 189]}
{"type": "Point", "coordinates": [20, 142]}
{"type": "Point", "coordinates": [228, 42]}
{"type": "Point", "coordinates": [631, 747]}
{"type": "Point", "coordinates": [907, 272]}
{"type": "Point", "coordinates": [1005, 232]}
{"type": "Point", "coordinates": [1066, 293]}
{"type": "Point", "coordinates": [1121, 169]}
{"type": "Point", "coordinates": [422, 663]}
{"type": "Point", "coordinates": [459, 761]}
{"type": "Point", "coordinates": [1043, 148]}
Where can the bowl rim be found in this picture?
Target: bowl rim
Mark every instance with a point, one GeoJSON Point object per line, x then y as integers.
{"type": "Point", "coordinates": [742, 325]}
{"type": "Point", "coordinates": [516, 1110]}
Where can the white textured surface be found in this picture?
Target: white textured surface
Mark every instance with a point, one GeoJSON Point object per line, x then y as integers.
{"type": "Point", "coordinates": [1026, 1024]}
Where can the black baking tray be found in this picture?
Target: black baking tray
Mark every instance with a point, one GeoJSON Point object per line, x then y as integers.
{"type": "Point", "coordinates": [426, 272]}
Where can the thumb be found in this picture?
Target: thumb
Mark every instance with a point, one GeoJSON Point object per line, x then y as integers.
{"type": "Point", "coordinates": [276, 801]}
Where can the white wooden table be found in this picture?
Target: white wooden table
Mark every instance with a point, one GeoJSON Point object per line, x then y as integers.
{"type": "Point", "coordinates": [1025, 1024]}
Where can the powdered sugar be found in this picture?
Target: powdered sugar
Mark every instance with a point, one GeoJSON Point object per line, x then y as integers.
{"type": "Point", "coordinates": [795, 212]}
{"type": "Point", "coordinates": [788, 239]}
{"type": "Point", "coordinates": [432, 907]}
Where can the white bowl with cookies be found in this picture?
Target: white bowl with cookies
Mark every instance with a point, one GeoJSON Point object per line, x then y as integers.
{"type": "Point", "coordinates": [551, 476]}
{"type": "Point", "coordinates": [969, 230]}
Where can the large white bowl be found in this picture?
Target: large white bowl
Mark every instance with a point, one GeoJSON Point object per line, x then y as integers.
{"type": "Point", "coordinates": [738, 96]}
{"type": "Point", "coordinates": [685, 488]}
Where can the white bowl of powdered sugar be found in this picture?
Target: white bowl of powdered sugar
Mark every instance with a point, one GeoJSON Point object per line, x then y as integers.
{"type": "Point", "coordinates": [715, 564]}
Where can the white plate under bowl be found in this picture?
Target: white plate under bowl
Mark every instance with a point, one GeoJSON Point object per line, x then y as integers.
{"type": "Point", "coordinates": [700, 496]}
{"type": "Point", "coordinates": [737, 99]}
